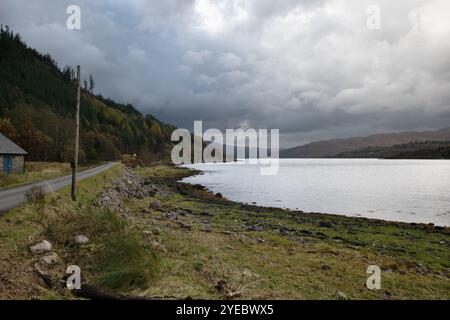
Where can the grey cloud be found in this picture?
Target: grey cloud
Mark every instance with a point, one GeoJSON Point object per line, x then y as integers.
{"type": "Point", "coordinates": [310, 68]}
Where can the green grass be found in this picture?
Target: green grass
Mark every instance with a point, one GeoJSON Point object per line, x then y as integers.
{"type": "Point", "coordinates": [38, 171]}
{"type": "Point", "coordinates": [121, 260]}
{"type": "Point", "coordinates": [34, 172]}
{"type": "Point", "coordinates": [126, 263]}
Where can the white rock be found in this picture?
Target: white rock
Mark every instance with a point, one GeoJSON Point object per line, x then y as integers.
{"type": "Point", "coordinates": [50, 259]}
{"type": "Point", "coordinates": [80, 239]}
{"type": "Point", "coordinates": [41, 247]}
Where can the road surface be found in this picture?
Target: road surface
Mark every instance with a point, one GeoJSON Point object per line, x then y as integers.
{"type": "Point", "coordinates": [11, 198]}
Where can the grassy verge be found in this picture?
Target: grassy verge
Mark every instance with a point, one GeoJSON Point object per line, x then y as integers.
{"type": "Point", "coordinates": [38, 171]}
{"type": "Point", "coordinates": [116, 256]}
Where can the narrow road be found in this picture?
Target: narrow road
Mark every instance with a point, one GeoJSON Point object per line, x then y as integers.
{"type": "Point", "coordinates": [11, 198]}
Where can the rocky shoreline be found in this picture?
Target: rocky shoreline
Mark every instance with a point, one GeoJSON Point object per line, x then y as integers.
{"type": "Point", "coordinates": [129, 185]}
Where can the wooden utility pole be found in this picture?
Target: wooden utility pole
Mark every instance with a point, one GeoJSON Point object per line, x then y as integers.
{"type": "Point", "coordinates": [77, 140]}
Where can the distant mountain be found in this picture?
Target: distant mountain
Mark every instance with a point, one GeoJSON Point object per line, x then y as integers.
{"type": "Point", "coordinates": [336, 147]}
{"type": "Point", "coordinates": [37, 108]}
{"type": "Point", "coordinates": [412, 150]}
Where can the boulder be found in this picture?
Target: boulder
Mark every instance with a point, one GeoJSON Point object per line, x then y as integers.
{"type": "Point", "coordinates": [81, 239]}
{"type": "Point", "coordinates": [41, 247]}
{"type": "Point", "coordinates": [50, 259]}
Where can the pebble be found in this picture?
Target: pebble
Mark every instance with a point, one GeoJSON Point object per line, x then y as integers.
{"type": "Point", "coordinates": [81, 239]}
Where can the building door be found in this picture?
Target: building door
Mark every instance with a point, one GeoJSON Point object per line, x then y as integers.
{"type": "Point", "coordinates": [8, 164]}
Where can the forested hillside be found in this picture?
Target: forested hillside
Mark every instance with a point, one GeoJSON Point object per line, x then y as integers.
{"type": "Point", "coordinates": [413, 150]}
{"type": "Point", "coordinates": [37, 108]}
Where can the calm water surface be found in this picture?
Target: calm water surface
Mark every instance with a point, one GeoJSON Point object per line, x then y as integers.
{"type": "Point", "coordinates": [396, 190]}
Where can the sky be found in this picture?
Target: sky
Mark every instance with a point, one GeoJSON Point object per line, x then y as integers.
{"type": "Point", "coordinates": [312, 69]}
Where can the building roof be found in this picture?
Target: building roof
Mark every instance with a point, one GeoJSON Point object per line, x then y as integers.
{"type": "Point", "coordinates": [9, 147]}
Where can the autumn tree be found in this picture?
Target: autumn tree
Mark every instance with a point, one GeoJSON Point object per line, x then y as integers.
{"type": "Point", "coordinates": [34, 141]}
{"type": "Point", "coordinates": [7, 129]}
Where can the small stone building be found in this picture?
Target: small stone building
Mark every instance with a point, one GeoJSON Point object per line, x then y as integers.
{"type": "Point", "coordinates": [12, 157]}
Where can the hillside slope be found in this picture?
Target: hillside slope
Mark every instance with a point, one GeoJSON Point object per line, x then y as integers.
{"type": "Point", "coordinates": [332, 148]}
{"type": "Point", "coordinates": [37, 107]}
{"type": "Point", "coordinates": [413, 150]}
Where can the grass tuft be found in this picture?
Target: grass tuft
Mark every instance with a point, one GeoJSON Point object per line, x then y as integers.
{"type": "Point", "coordinates": [126, 263]}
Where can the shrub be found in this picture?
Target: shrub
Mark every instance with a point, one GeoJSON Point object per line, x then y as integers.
{"type": "Point", "coordinates": [125, 262]}
{"type": "Point", "coordinates": [36, 196]}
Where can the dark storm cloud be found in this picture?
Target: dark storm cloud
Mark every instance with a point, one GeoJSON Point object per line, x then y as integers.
{"type": "Point", "coordinates": [310, 68]}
